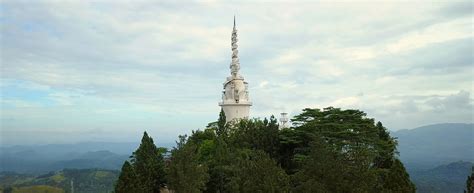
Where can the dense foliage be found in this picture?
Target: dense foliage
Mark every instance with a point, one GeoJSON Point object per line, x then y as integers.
{"type": "Point", "coordinates": [185, 172]}
{"type": "Point", "coordinates": [328, 150]}
{"type": "Point", "coordinates": [145, 171]}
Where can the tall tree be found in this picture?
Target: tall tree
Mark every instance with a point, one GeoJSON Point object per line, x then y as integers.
{"type": "Point", "coordinates": [364, 149]}
{"type": "Point", "coordinates": [148, 165]}
{"type": "Point", "coordinates": [386, 148]}
{"type": "Point", "coordinates": [392, 175]}
{"type": "Point", "coordinates": [221, 123]}
{"type": "Point", "coordinates": [145, 171]}
{"type": "Point", "coordinates": [126, 182]}
{"type": "Point", "coordinates": [347, 131]}
{"type": "Point", "coordinates": [470, 182]}
{"type": "Point", "coordinates": [185, 173]}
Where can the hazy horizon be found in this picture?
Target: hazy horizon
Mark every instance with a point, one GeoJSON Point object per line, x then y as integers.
{"type": "Point", "coordinates": [107, 71]}
{"type": "Point", "coordinates": [135, 139]}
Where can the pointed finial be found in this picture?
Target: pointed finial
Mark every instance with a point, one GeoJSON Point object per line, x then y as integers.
{"type": "Point", "coordinates": [234, 65]}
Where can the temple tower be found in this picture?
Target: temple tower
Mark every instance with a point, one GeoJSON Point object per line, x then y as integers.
{"type": "Point", "coordinates": [235, 97]}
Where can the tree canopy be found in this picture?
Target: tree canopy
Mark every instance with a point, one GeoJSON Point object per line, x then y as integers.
{"type": "Point", "coordinates": [326, 150]}
{"type": "Point", "coordinates": [145, 173]}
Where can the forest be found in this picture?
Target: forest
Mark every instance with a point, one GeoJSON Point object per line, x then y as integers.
{"type": "Point", "coordinates": [326, 150]}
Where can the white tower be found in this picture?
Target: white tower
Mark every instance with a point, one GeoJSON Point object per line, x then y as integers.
{"type": "Point", "coordinates": [235, 97]}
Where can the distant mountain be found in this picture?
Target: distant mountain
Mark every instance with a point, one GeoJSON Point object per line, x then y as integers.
{"type": "Point", "coordinates": [98, 159]}
{"type": "Point", "coordinates": [450, 178]}
{"type": "Point", "coordinates": [56, 151]}
{"type": "Point", "coordinates": [433, 145]}
{"type": "Point", "coordinates": [54, 157]}
{"type": "Point", "coordinates": [60, 149]}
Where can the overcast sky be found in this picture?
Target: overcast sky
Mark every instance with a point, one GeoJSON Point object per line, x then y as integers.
{"type": "Point", "coordinates": [76, 71]}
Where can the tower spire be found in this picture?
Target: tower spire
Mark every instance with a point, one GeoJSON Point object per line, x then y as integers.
{"type": "Point", "coordinates": [235, 64]}
{"type": "Point", "coordinates": [235, 96]}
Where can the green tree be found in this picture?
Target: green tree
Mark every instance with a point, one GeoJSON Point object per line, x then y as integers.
{"type": "Point", "coordinates": [256, 134]}
{"type": "Point", "coordinates": [470, 182]}
{"type": "Point", "coordinates": [392, 175]}
{"type": "Point", "coordinates": [256, 171]}
{"type": "Point", "coordinates": [290, 141]}
{"type": "Point", "coordinates": [185, 173]}
{"type": "Point", "coordinates": [347, 131]}
{"type": "Point", "coordinates": [398, 180]}
{"type": "Point", "coordinates": [319, 170]}
{"type": "Point", "coordinates": [198, 137]}
{"type": "Point", "coordinates": [386, 148]}
{"type": "Point", "coordinates": [325, 169]}
{"type": "Point", "coordinates": [126, 182]}
{"type": "Point", "coordinates": [360, 151]}
{"type": "Point", "coordinates": [146, 167]}
{"type": "Point", "coordinates": [328, 150]}
{"type": "Point", "coordinates": [221, 123]}
{"type": "Point", "coordinates": [220, 167]}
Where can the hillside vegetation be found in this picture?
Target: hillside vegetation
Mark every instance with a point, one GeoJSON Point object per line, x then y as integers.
{"type": "Point", "coordinates": [83, 180]}
{"type": "Point", "coordinates": [450, 178]}
{"type": "Point", "coordinates": [328, 150]}
{"type": "Point", "coordinates": [38, 189]}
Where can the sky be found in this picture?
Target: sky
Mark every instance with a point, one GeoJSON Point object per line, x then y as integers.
{"type": "Point", "coordinates": [74, 71]}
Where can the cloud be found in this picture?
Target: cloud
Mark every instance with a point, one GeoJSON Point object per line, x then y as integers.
{"type": "Point", "coordinates": [124, 66]}
{"type": "Point", "coordinates": [457, 102]}
{"type": "Point", "coordinates": [436, 33]}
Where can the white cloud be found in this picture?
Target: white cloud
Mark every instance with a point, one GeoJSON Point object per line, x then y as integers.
{"type": "Point", "coordinates": [150, 64]}
{"type": "Point", "coordinates": [440, 32]}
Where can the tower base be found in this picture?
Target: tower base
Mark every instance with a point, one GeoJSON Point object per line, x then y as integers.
{"type": "Point", "coordinates": [236, 111]}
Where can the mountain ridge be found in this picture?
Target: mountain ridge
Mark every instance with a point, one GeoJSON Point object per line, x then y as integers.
{"type": "Point", "coordinates": [448, 178]}
{"type": "Point", "coordinates": [428, 146]}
